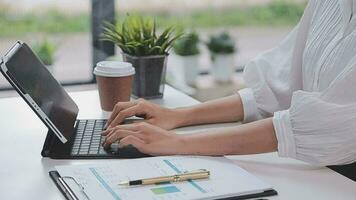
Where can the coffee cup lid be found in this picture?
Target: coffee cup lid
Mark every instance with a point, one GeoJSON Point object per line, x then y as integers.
{"type": "Point", "coordinates": [114, 69]}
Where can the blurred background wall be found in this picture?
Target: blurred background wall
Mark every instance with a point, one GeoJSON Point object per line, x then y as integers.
{"type": "Point", "coordinates": [148, 5]}
{"type": "Point", "coordinates": [255, 25]}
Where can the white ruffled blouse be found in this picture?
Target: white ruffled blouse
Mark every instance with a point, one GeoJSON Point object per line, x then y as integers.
{"type": "Point", "coordinates": [308, 84]}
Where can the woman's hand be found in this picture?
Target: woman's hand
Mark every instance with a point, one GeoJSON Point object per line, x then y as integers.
{"type": "Point", "coordinates": [228, 109]}
{"type": "Point", "coordinates": [152, 113]}
{"type": "Point", "coordinates": [251, 138]}
{"type": "Point", "coordinates": [147, 138]}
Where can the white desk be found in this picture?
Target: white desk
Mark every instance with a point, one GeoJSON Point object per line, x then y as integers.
{"type": "Point", "coordinates": [24, 173]}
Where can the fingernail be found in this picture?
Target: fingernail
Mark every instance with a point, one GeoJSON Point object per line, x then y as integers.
{"type": "Point", "coordinates": [106, 125]}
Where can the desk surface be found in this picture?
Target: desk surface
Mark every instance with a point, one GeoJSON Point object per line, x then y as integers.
{"type": "Point", "coordinates": [24, 173]}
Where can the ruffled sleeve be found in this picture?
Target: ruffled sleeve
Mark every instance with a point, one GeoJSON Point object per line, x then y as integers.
{"type": "Point", "coordinates": [320, 128]}
{"type": "Point", "coordinates": [272, 77]}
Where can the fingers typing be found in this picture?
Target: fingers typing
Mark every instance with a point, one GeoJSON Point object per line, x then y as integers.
{"type": "Point", "coordinates": [122, 131]}
{"type": "Point", "coordinates": [118, 136]}
{"type": "Point", "coordinates": [134, 141]}
{"type": "Point", "coordinates": [117, 108]}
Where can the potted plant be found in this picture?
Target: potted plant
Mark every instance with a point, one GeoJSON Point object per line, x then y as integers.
{"type": "Point", "coordinates": [187, 49]}
{"type": "Point", "coordinates": [146, 50]}
{"type": "Point", "coordinates": [45, 50]}
{"type": "Point", "coordinates": [222, 49]}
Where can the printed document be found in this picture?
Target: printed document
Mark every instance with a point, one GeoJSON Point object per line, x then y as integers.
{"type": "Point", "coordinates": [101, 181]}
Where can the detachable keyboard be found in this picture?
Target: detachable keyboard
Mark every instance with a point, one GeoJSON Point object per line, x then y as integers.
{"type": "Point", "coordinates": [88, 138]}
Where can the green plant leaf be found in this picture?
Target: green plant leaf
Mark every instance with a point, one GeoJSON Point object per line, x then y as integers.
{"type": "Point", "coordinates": [163, 37]}
{"type": "Point", "coordinates": [137, 36]}
{"type": "Point", "coordinates": [168, 44]}
{"type": "Point", "coordinates": [221, 43]}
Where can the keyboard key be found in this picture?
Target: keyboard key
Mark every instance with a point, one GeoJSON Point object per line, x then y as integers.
{"type": "Point", "coordinates": [88, 139]}
{"type": "Point", "coordinates": [78, 139]}
{"type": "Point", "coordinates": [75, 152]}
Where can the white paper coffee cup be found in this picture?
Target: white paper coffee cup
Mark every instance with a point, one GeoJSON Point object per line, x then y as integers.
{"type": "Point", "coordinates": [114, 69]}
{"type": "Point", "coordinates": [114, 79]}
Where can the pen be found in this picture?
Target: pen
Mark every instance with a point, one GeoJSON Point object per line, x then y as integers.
{"type": "Point", "coordinates": [185, 176]}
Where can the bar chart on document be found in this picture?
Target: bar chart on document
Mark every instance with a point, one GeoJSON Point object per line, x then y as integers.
{"type": "Point", "coordinates": [101, 181]}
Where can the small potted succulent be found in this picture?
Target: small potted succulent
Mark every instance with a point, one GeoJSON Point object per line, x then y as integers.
{"type": "Point", "coordinates": [222, 49]}
{"type": "Point", "coordinates": [145, 49]}
{"type": "Point", "coordinates": [45, 50]}
{"type": "Point", "coordinates": [188, 51]}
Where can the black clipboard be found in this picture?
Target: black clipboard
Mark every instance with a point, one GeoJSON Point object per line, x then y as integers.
{"type": "Point", "coordinates": [70, 195]}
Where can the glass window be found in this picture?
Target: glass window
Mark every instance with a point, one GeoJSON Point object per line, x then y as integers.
{"type": "Point", "coordinates": [61, 32]}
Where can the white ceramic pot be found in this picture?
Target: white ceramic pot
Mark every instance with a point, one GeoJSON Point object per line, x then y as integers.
{"type": "Point", "coordinates": [190, 67]}
{"type": "Point", "coordinates": [223, 67]}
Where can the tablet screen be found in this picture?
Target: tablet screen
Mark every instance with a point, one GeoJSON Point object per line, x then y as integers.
{"type": "Point", "coordinates": [34, 79]}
